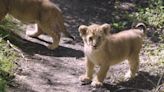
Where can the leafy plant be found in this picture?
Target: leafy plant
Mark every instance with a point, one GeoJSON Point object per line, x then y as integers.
{"type": "Point", "coordinates": [152, 15]}
{"type": "Point", "coordinates": [2, 85]}
{"type": "Point", "coordinates": [7, 55]}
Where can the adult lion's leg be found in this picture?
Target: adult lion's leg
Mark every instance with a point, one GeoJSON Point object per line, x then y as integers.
{"type": "Point", "coordinates": [56, 40]}
{"type": "Point", "coordinates": [36, 33]}
{"type": "Point", "coordinates": [51, 32]}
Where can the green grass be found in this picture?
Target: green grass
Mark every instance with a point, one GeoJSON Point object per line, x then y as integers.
{"type": "Point", "coordinates": [7, 54]}
{"type": "Point", "coordinates": [154, 53]}
{"type": "Point", "coordinates": [2, 85]}
{"type": "Point", "coordinates": [152, 15]}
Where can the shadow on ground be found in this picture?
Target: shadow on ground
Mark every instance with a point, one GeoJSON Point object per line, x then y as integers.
{"type": "Point", "coordinates": [32, 48]}
{"type": "Point", "coordinates": [144, 82]}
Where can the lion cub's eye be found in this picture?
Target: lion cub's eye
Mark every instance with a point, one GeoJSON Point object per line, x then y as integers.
{"type": "Point", "coordinates": [90, 38]}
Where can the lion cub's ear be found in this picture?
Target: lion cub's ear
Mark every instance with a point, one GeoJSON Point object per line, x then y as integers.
{"type": "Point", "coordinates": [83, 30]}
{"type": "Point", "coordinates": [106, 28]}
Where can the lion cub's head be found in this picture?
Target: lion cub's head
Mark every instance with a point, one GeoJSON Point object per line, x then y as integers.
{"type": "Point", "coordinates": [94, 35]}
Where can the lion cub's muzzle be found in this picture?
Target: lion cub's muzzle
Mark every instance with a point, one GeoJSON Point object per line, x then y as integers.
{"type": "Point", "coordinates": [93, 42]}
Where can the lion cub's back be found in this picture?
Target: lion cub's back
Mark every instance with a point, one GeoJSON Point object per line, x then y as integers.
{"type": "Point", "coordinates": [122, 45]}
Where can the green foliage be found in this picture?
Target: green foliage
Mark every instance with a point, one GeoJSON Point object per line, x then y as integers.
{"type": "Point", "coordinates": [161, 54]}
{"type": "Point", "coordinates": [7, 55]}
{"type": "Point", "coordinates": [155, 52]}
{"type": "Point", "coordinates": [153, 15]}
{"type": "Point", "coordinates": [7, 24]}
{"type": "Point", "coordinates": [2, 85]}
{"type": "Point", "coordinates": [120, 25]}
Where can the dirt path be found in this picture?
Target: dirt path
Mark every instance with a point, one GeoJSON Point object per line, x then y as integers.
{"type": "Point", "coordinates": [43, 73]}
{"type": "Point", "coordinates": [43, 70]}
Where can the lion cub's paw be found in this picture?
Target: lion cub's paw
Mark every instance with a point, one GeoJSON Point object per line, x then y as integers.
{"type": "Point", "coordinates": [52, 46]}
{"type": "Point", "coordinates": [96, 84]}
{"type": "Point", "coordinates": [85, 80]}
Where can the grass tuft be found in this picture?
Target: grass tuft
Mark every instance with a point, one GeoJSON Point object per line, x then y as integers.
{"type": "Point", "coordinates": [7, 54]}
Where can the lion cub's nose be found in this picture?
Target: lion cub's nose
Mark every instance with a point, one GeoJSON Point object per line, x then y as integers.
{"type": "Point", "coordinates": [90, 38]}
{"type": "Point", "coordinates": [94, 46]}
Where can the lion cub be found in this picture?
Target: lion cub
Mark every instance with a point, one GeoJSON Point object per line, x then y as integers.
{"type": "Point", "coordinates": [42, 12]}
{"type": "Point", "coordinates": [104, 49]}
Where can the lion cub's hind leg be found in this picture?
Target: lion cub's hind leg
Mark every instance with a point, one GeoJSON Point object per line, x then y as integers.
{"type": "Point", "coordinates": [133, 66]}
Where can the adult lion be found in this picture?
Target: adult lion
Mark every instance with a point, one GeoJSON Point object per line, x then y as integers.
{"type": "Point", "coordinates": [42, 12]}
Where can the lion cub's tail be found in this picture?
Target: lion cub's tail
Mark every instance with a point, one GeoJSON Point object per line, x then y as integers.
{"type": "Point", "coordinates": [141, 26]}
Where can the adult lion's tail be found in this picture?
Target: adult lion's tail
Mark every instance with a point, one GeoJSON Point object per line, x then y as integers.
{"type": "Point", "coordinates": [141, 26]}
{"type": "Point", "coordinates": [62, 27]}
{"type": "Point", "coordinates": [67, 34]}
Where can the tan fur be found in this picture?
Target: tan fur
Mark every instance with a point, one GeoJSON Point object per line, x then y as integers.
{"type": "Point", "coordinates": [104, 49]}
{"type": "Point", "coordinates": [43, 12]}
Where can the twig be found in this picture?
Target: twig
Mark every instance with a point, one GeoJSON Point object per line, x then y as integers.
{"type": "Point", "coordinates": [149, 80]}
{"type": "Point", "coordinates": [11, 45]}
{"type": "Point", "coordinates": [158, 84]}
{"type": "Point", "coordinates": [16, 49]}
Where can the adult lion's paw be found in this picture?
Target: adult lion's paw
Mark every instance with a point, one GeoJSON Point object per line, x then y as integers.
{"type": "Point", "coordinates": [52, 46]}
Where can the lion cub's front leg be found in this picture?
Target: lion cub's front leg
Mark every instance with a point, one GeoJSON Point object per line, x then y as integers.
{"type": "Point", "coordinates": [87, 78]}
{"type": "Point", "coordinates": [98, 81]}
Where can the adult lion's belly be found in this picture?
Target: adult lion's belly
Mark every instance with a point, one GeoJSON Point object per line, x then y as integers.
{"type": "Point", "coordinates": [25, 17]}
